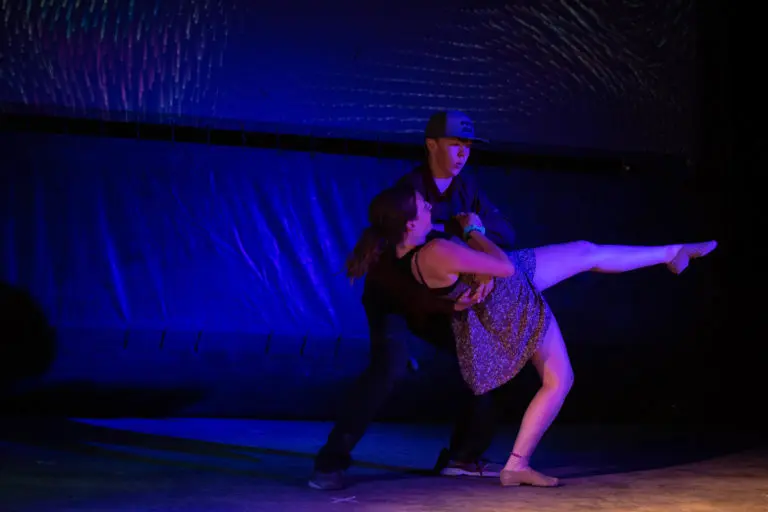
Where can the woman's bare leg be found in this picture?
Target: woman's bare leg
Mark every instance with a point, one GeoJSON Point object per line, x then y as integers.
{"type": "Point", "coordinates": [556, 263]}
{"type": "Point", "coordinates": [554, 368]}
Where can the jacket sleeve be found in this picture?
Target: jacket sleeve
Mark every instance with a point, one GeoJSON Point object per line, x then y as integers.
{"type": "Point", "coordinates": [497, 227]}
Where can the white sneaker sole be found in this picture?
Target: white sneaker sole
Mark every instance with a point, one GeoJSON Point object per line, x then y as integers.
{"type": "Point", "coordinates": [463, 472]}
{"type": "Point", "coordinates": [313, 485]}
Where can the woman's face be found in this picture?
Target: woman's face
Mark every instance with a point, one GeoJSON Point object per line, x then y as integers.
{"type": "Point", "coordinates": [422, 224]}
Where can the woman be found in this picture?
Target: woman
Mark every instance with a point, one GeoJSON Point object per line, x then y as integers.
{"type": "Point", "coordinates": [513, 325]}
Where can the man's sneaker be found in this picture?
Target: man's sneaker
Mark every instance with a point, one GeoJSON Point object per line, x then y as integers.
{"type": "Point", "coordinates": [481, 468]}
{"type": "Point", "coordinates": [332, 481]}
{"type": "Point", "coordinates": [447, 467]}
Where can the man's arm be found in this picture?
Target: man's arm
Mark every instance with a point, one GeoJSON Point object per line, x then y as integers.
{"type": "Point", "coordinates": [497, 228]}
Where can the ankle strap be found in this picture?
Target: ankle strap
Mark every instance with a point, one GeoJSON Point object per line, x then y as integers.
{"type": "Point", "coordinates": [518, 456]}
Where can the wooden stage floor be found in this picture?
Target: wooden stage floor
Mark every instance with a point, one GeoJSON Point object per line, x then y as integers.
{"type": "Point", "coordinates": [237, 465]}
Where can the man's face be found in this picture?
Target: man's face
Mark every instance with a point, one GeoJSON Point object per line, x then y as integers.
{"type": "Point", "coordinates": [449, 155]}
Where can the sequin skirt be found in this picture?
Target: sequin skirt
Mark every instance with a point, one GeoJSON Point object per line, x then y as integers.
{"type": "Point", "coordinates": [496, 338]}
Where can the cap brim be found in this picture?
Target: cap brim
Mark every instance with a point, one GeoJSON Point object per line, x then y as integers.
{"type": "Point", "coordinates": [472, 139]}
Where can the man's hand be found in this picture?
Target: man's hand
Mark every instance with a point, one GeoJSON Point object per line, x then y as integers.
{"type": "Point", "coordinates": [465, 300]}
{"type": "Point", "coordinates": [483, 285]}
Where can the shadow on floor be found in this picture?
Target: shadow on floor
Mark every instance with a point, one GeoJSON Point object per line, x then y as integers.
{"type": "Point", "coordinates": [570, 451]}
{"type": "Point", "coordinates": [77, 438]}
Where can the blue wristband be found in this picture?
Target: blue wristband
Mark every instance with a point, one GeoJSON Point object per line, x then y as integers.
{"type": "Point", "coordinates": [469, 229]}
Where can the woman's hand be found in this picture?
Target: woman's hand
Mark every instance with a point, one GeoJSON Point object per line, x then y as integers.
{"type": "Point", "coordinates": [468, 219]}
{"type": "Point", "coordinates": [482, 286]}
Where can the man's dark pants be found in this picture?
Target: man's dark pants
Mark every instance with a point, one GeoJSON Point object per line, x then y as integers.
{"type": "Point", "coordinates": [475, 425]}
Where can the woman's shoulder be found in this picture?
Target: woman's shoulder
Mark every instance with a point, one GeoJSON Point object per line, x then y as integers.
{"type": "Point", "coordinates": [445, 243]}
{"type": "Point", "coordinates": [440, 247]}
{"type": "Point", "coordinates": [436, 243]}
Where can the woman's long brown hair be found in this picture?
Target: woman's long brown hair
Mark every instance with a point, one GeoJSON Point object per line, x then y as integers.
{"type": "Point", "coordinates": [388, 216]}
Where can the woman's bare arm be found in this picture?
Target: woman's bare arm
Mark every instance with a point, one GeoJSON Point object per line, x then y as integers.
{"type": "Point", "coordinates": [444, 258]}
{"type": "Point", "coordinates": [482, 243]}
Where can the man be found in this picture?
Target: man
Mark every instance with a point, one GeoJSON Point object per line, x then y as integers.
{"type": "Point", "coordinates": [397, 308]}
{"type": "Point", "coordinates": [448, 139]}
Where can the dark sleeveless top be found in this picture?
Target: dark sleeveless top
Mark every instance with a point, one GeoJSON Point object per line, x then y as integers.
{"type": "Point", "coordinates": [405, 266]}
{"type": "Point", "coordinates": [497, 337]}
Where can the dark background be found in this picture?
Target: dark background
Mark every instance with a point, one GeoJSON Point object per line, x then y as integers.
{"type": "Point", "coordinates": [198, 272]}
{"type": "Point", "coordinates": [607, 75]}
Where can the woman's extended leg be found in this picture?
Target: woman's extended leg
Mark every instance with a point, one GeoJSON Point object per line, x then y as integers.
{"type": "Point", "coordinates": [554, 368]}
{"type": "Point", "coordinates": [555, 263]}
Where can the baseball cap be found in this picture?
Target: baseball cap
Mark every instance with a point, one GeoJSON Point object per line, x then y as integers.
{"type": "Point", "coordinates": [451, 123]}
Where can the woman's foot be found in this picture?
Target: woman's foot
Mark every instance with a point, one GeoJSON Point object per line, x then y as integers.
{"type": "Point", "coordinates": [527, 476]}
{"type": "Point", "coordinates": [688, 252]}
{"type": "Point", "coordinates": [518, 472]}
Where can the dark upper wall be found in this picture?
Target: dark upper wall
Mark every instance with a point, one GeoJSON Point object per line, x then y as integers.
{"type": "Point", "coordinates": [608, 75]}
